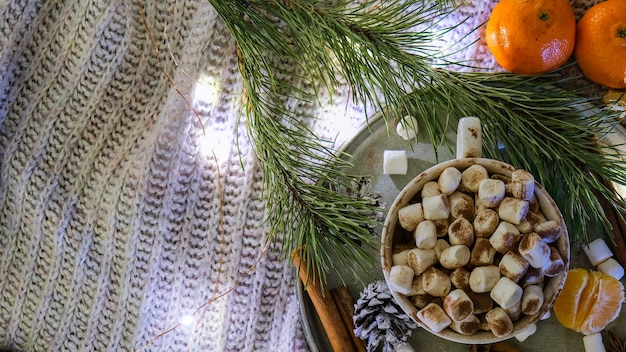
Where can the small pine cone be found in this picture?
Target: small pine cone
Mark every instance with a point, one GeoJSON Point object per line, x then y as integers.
{"type": "Point", "coordinates": [377, 318]}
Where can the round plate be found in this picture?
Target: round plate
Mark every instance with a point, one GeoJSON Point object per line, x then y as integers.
{"type": "Point", "coordinates": [366, 149]}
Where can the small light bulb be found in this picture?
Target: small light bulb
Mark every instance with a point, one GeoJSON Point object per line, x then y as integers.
{"type": "Point", "coordinates": [187, 320]}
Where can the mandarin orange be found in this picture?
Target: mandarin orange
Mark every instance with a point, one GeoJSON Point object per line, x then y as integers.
{"type": "Point", "coordinates": [531, 36]}
{"type": "Point", "coordinates": [589, 301]}
{"type": "Point", "coordinates": [601, 43]}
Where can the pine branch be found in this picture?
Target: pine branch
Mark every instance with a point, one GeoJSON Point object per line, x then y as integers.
{"type": "Point", "coordinates": [385, 52]}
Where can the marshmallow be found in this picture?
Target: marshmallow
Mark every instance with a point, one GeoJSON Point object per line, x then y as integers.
{"type": "Point", "coordinates": [593, 343]}
{"type": "Point", "coordinates": [458, 305]}
{"type": "Point", "coordinates": [400, 279]}
{"type": "Point", "coordinates": [421, 259]}
{"type": "Point", "coordinates": [513, 210]}
{"type": "Point", "coordinates": [597, 251]}
{"type": "Point", "coordinates": [461, 205]}
{"type": "Point", "coordinates": [425, 234]}
{"type": "Point", "coordinates": [545, 315]}
{"type": "Point", "coordinates": [507, 183]}
{"type": "Point", "coordinates": [522, 184]}
{"type": "Point", "coordinates": [530, 223]}
{"type": "Point", "coordinates": [459, 277]}
{"type": "Point", "coordinates": [555, 264]}
{"type": "Point", "coordinates": [533, 276]}
{"type": "Point", "coordinates": [440, 245]}
{"type": "Point", "coordinates": [611, 267]}
{"type": "Point", "coordinates": [469, 326]}
{"type": "Point", "coordinates": [435, 282]}
{"type": "Point", "coordinates": [534, 250]}
{"type": "Point", "coordinates": [532, 300]}
{"type": "Point", "coordinates": [469, 140]}
{"type": "Point", "coordinates": [504, 237]}
{"type": "Point", "coordinates": [506, 293]}
{"type": "Point", "coordinates": [549, 231]}
{"type": "Point", "coordinates": [434, 317]}
{"type": "Point", "coordinates": [484, 278]}
{"type": "Point", "coordinates": [416, 286]}
{"type": "Point", "coordinates": [526, 332]}
{"type": "Point", "coordinates": [499, 322]}
{"type": "Point", "coordinates": [482, 302]}
{"type": "Point", "coordinates": [484, 325]}
{"type": "Point", "coordinates": [513, 266]}
{"type": "Point", "coordinates": [442, 227]}
{"type": "Point", "coordinates": [482, 252]}
{"type": "Point", "coordinates": [449, 180]}
{"type": "Point", "coordinates": [421, 301]}
{"type": "Point", "coordinates": [455, 257]}
{"type": "Point", "coordinates": [431, 188]}
{"type": "Point", "coordinates": [533, 205]}
{"type": "Point", "coordinates": [472, 176]}
{"type": "Point", "coordinates": [395, 162]}
{"type": "Point", "coordinates": [461, 232]}
{"type": "Point", "coordinates": [515, 311]}
{"type": "Point", "coordinates": [411, 215]}
{"type": "Point", "coordinates": [407, 127]}
{"type": "Point", "coordinates": [485, 223]}
{"type": "Point", "coordinates": [491, 192]}
{"type": "Point", "coordinates": [400, 258]}
{"type": "Point", "coordinates": [436, 207]}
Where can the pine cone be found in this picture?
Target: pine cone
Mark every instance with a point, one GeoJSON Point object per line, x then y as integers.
{"type": "Point", "coordinates": [379, 318]}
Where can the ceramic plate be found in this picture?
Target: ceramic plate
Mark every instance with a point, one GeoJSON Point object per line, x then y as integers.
{"type": "Point", "coordinates": [366, 149]}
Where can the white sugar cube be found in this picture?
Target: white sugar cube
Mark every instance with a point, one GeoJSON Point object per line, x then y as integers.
{"type": "Point", "coordinates": [395, 162]}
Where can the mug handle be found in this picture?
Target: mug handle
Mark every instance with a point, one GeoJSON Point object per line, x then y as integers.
{"type": "Point", "coordinates": [469, 138]}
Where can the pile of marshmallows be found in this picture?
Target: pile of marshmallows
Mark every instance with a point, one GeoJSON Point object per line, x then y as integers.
{"type": "Point", "coordinates": [480, 253]}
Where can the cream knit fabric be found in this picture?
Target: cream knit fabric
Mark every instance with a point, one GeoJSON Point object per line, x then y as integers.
{"type": "Point", "coordinates": [121, 212]}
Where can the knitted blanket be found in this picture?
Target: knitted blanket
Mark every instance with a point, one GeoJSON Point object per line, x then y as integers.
{"type": "Point", "coordinates": [128, 222]}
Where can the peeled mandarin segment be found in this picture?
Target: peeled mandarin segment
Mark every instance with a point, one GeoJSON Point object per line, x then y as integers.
{"type": "Point", "coordinates": [566, 304]}
{"type": "Point", "coordinates": [607, 307]}
{"type": "Point", "coordinates": [588, 298]}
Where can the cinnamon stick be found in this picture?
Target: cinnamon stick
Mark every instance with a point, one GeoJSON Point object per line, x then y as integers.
{"type": "Point", "coordinates": [619, 231]}
{"type": "Point", "coordinates": [325, 307]}
{"type": "Point", "coordinates": [345, 304]}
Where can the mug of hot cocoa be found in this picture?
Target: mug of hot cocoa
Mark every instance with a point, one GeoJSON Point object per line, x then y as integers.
{"type": "Point", "coordinates": [473, 249]}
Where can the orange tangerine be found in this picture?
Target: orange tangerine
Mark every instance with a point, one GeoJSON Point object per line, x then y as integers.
{"type": "Point", "coordinates": [589, 301]}
{"type": "Point", "coordinates": [531, 36]}
{"type": "Point", "coordinates": [601, 43]}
